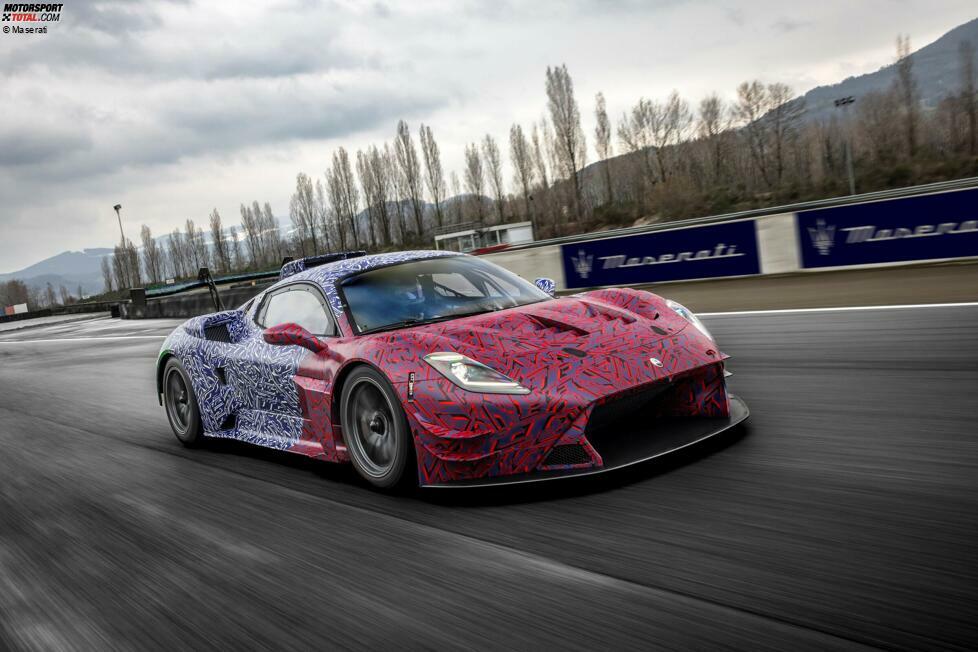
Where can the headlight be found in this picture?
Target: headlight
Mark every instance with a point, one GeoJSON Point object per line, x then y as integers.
{"type": "Point", "coordinates": [689, 316]}
{"type": "Point", "coordinates": [473, 376]}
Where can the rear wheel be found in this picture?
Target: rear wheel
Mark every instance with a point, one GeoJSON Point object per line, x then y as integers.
{"type": "Point", "coordinates": [181, 404]}
{"type": "Point", "coordinates": [375, 429]}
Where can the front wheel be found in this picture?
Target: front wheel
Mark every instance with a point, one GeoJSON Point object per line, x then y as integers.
{"type": "Point", "coordinates": [181, 404]}
{"type": "Point", "coordinates": [375, 429]}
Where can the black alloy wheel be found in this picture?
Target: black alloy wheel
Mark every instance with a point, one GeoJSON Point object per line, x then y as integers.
{"type": "Point", "coordinates": [181, 404]}
{"type": "Point", "coordinates": [375, 429]}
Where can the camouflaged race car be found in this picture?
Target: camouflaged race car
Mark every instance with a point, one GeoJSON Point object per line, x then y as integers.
{"type": "Point", "coordinates": [445, 369]}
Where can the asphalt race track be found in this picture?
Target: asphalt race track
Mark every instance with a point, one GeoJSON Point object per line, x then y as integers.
{"type": "Point", "coordinates": [845, 516]}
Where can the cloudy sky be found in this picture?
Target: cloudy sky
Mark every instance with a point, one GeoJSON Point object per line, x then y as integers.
{"type": "Point", "coordinates": [175, 108]}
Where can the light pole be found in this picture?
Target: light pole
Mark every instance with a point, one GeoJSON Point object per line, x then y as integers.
{"type": "Point", "coordinates": [843, 103]}
{"type": "Point", "coordinates": [118, 213]}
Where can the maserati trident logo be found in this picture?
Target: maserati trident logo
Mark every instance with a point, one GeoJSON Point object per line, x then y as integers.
{"type": "Point", "coordinates": [823, 237]}
{"type": "Point", "coordinates": [656, 362]}
{"type": "Point", "coordinates": [582, 263]}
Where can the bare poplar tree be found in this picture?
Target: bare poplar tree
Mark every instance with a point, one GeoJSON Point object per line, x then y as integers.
{"type": "Point", "coordinates": [323, 214]}
{"type": "Point", "coordinates": [132, 263]}
{"type": "Point", "coordinates": [218, 243]}
{"type": "Point", "coordinates": [676, 127]}
{"type": "Point", "coordinates": [196, 247]}
{"type": "Point", "coordinates": [906, 84]}
{"type": "Point", "coordinates": [302, 212]}
{"type": "Point", "coordinates": [271, 240]}
{"type": "Point", "coordinates": [456, 199]}
{"type": "Point", "coordinates": [152, 262]}
{"type": "Point", "coordinates": [300, 230]}
{"type": "Point", "coordinates": [540, 165]}
{"type": "Point", "coordinates": [784, 116]}
{"type": "Point", "coordinates": [376, 184]}
{"type": "Point", "coordinates": [251, 228]}
{"type": "Point", "coordinates": [177, 250]}
{"type": "Point", "coordinates": [494, 173]}
{"type": "Point", "coordinates": [523, 173]}
{"type": "Point", "coordinates": [233, 249]}
{"type": "Point", "coordinates": [410, 167]}
{"type": "Point", "coordinates": [434, 175]}
{"type": "Point", "coordinates": [475, 178]}
{"type": "Point", "coordinates": [878, 113]}
{"type": "Point", "coordinates": [642, 131]}
{"type": "Point", "coordinates": [570, 144]}
{"type": "Point", "coordinates": [602, 142]}
{"type": "Point", "coordinates": [712, 124]}
{"type": "Point", "coordinates": [336, 203]}
{"type": "Point", "coordinates": [343, 187]}
{"type": "Point", "coordinates": [399, 194]}
{"type": "Point", "coordinates": [752, 105]}
{"type": "Point", "coordinates": [106, 274]}
{"type": "Point", "coordinates": [365, 175]}
{"type": "Point", "coordinates": [385, 172]}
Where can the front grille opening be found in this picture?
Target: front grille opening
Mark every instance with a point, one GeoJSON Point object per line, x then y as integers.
{"type": "Point", "coordinates": [631, 409]}
{"type": "Point", "coordinates": [567, 455]}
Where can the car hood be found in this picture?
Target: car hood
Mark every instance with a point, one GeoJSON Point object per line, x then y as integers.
{"type": "Point", "coordinates": [578, 334]}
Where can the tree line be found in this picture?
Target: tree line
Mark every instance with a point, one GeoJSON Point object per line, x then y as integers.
{"type": "Point", "coordinates": [661, 159]}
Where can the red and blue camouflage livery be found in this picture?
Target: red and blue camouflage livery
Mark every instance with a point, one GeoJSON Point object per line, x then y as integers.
{"type": "Point", "coordinates": [529, 387]}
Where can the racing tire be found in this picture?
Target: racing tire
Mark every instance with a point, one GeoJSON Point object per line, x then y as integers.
{"type": "Point", "coordinates": [376, 431]}
{"type": "Point", "coordinates": [181, 405]}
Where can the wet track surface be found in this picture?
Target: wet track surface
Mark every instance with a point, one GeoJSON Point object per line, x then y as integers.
{"type": "Point", "coordinates": [845, 516]}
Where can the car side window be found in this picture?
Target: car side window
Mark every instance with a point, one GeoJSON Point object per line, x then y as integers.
{"type": "Point", "coordinates": [300, 305]}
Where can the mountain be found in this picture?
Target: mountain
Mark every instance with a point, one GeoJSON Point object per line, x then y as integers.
{"type": "Point", "coordinates": [937, 68]}
{"type": "Point", "coordinates": [69, 268]}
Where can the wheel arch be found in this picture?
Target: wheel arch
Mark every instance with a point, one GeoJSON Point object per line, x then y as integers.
{"type": "Point", "coordinates": [160, 368]}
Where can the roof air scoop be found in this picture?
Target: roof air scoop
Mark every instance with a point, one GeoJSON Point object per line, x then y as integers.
{"type": "Point", "coordinates": [290, 267]}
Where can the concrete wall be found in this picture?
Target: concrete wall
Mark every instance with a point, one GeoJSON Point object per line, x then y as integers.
{"type": "Point", "coordinates": [776, 243]}
{"type": "Point", "coordinates": [776, 276]}
{"type": "Point", "coordinates": [905, 233]}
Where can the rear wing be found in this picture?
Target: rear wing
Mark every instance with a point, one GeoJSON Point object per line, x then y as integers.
{"type": "Point", "coordinates": [290, 267]}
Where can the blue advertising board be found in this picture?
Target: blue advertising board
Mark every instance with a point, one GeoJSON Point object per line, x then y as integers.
{"type": "Point", "coordinates": [926, 227]}
{"type": "Point", "coordinates": [728, 249]}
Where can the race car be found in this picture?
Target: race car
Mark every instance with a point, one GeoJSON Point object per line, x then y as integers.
{"type": "Point", "coordinates": [444, 369]}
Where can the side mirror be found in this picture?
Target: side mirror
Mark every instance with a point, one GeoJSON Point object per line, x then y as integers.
{"type": "Point", "coordinates": [295, 335]}
{"type": "Point", "coordinates": [547, 285]}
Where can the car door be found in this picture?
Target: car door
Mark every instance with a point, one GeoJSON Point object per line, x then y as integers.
{"type": "Point", "coordinates": [267, 375]}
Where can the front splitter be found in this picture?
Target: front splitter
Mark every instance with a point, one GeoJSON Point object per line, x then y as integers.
{"type": "Point", "coordinates": [630, 447]}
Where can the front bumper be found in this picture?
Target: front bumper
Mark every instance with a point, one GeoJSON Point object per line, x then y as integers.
{"type": "Point", "coordinates": [629, 445]}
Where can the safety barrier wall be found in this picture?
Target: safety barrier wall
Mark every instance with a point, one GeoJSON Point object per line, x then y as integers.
{"type": "Point", "coordinates": [188, 305]}
{"type": "Point", "coordinates": [869, 232]}
{"type": "Point", "coordinates": [893, 227]}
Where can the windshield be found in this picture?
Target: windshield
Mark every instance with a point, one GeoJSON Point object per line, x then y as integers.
{"type": "Point", "coordinates": [435, 289]}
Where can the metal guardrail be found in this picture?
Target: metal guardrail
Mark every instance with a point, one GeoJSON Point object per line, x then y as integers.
{"type": "Point", "coordinates": [941, 186]}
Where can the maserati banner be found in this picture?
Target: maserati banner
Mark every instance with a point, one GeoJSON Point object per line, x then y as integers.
{"type": "Point", "coordinates": [927, 227]}
{"type": "Point", "coordinates": [728, 249]}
